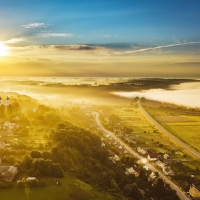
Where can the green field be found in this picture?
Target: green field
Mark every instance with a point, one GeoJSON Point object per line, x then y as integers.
{"type": "Point", "coordinates": [143, 133]}
{"type": "Point", "coordinates": [182, 122]}
{"type": "Point", "coordinates": [186, 131]}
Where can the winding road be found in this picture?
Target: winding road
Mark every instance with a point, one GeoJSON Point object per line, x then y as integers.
{"type": "Point", "coordinates": [180, 193]}
{"type": "Point", "coordinates": [181, 143]}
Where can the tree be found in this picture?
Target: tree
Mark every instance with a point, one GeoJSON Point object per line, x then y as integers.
{"type": "Point", "coordinates": [134, 192]}
{"type": "Point", "coordinates": [159, 188]}
{"type": "Point", "coordinates": [35, 154]}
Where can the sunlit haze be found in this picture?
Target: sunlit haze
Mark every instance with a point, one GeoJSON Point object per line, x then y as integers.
{"type": "Point", "coordinates": [3, 50]}
{"type": "Point", "coordinates": [98, 39]}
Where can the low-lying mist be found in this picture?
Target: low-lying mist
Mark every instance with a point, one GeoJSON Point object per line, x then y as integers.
{"type": "Point", "coordinates": [187, 94]}
{"type": "Point", "coordinates": [57, 92]}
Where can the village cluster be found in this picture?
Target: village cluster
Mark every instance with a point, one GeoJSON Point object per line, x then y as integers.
{"type": "Point", "coordinates": [7, 129]}
{"type": "Point", "coordinates": [162, 161]}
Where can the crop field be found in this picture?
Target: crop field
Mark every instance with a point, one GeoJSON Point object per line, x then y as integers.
{"type": "Point", "coordinates": [188, 132]}
{"type": "Point", "coordinates": [143, 133]}
{"type": "Point", "coordinates": [173, 119]}
{"type": "Point", "coordinates": [182, 122]}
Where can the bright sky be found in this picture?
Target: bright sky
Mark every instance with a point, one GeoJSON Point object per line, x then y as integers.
{"type": "Point", "coordinates": [100, 38]}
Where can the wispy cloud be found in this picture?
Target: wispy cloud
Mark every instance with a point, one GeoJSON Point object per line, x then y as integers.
{"type": "Point", "coordinates": [158, 47]}
{"type": "Point", "coordinates": [54, 35]}
{"type": "Point", "coordinates": [15, 40]}
{"type": "Point", "coordinates": [34, 25]}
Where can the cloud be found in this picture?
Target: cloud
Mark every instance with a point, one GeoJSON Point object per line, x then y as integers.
{"type": "Point", "coordinates": [187, 64]}
{"type": "Point", "coordinates": [158, 47]}
{"type": "Point", "coordinates": [34, 25]}
{"type": "Point", "coordinates": [54, 35]}
{"type": "Point", "coordinates": [77, 47]}
{"type": "Point", "coordinates": [15, 40]}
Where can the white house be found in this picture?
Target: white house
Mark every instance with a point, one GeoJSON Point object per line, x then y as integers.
{"type": "Point", "coordinates": [168, 171]}
{"type": "Point", "coordinates": [116, 158]}
{"type": "Point", "coordinates": [160, 164]}
{"type": "Point", "coordinates": [152, 176]}
{"type": "Point", "coordinates": [131, 171]}
{"type": "Point", "coordinates": [152, 157]}
{"type": "Point", "coordinates": [30, 178]}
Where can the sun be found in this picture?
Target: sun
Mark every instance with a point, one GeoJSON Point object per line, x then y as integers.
{"type": "Point", "coordinates": [3, 50]}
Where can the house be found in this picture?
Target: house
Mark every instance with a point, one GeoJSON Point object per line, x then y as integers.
{"type": "Point", "coordinates": [127, 140]}
{"type": "Point", "coordinates": [111, 153]}
{"type": "Point", "coordinates": [125, 151]}
{"type": "Point", "coordinates": [168, 171]}
{"type": "Point", "coordinates": [116, 158]}
{"type": "Point", "coordinates": [139, 162]}
{"type": "Point", "coordinates": [120, 135]}
{"type": "Point", "coordinates": [8, 172]}
{"type": "Point", "coordinates": [103, 144]}
{"type": "Point", "coordinates": [152, 176]}
{"type": "Point", "coordinates": [166, 156]}
{"type": "Point", "coordinates": [132, 171]}
{"type": "Point", "coordinates": [107, 135]}
{"type": "Point", "coordinates": [152, 157]}
{"type": "Point", "coordinates": [195, 191]}
{"type": "Point", "coordinates": [146, 167]}
{"type": "Point", "coordinates": [2, 145]}
{"type": "Point", "coordinates": [31, 179]}
{"type": "Point", "coordinates": [160, 164]}
{"type": "Point", "coordinates": [141, 151]}
{"type": "Point", "coordinates": [9, 126]}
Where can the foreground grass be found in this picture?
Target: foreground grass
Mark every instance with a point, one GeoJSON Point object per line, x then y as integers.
{"type": "Point", "coordinates": [70, 189]}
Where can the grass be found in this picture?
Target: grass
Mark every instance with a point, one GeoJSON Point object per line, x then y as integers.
{"type": "Point", "coordinates": [182, 122]}
{"type": "Point", "coordinates": [70, 189]}
{"type": "Point", "coordinates": [188, 132]}
{"type": "Point", "coordinates": [142, 130]}
{"type": "Point", "coordinates": [172, 119]}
